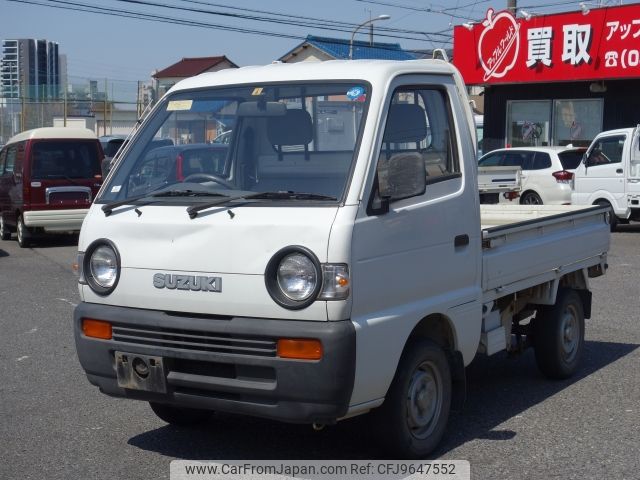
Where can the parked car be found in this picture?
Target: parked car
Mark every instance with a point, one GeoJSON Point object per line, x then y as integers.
{"type": "Point", "coordinates": [48, 179]}
{"type": "Point", "coordinates": [110, 145]}
{"type": "Point", "coordinates": [199, 162]}
{"type": "Point", "coordinates": [546, 171]}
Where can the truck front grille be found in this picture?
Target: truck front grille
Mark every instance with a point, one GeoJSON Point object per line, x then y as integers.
{"type": "Point", "coordinates": [195, 341]}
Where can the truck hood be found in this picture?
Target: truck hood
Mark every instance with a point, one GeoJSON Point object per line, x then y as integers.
{"type": "Point", "coordinates": [240, 240]}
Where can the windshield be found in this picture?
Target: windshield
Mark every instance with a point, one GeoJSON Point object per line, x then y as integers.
{"type": "Point", "coordinates": [298, 138]}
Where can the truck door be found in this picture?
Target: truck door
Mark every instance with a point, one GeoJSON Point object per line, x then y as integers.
{"type": "Point", "coordinates": [416, 241]}
{"type": "Point", "coordinates": [604, 175]}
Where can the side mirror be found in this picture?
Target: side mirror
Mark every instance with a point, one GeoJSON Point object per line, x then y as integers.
{"type": "Point", "coordinates": [406, 177]}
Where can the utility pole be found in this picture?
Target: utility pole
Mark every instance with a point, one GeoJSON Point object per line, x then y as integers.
{"type": "Point", "coordinates": [104, 111]}
{"type": "Point", "coordinates": [512, 7]}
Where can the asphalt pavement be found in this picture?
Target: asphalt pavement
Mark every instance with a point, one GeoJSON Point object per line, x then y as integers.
{"type": "Point", "coordinates": [516, 424]}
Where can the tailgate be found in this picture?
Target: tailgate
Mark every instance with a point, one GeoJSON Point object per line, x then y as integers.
{"type": "Point", "coordinates": [527, 245]}
{"type": "Point", "coordinates": [499, 179]}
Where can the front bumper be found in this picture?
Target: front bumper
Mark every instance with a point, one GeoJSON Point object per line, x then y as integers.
{"type": "Point", "coordinates": [55, 220]}
{"type": "Point", "coordinates": [225, 363]}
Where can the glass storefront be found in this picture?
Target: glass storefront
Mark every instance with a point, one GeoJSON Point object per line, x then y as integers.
{"type": "Point", "coordinates": [553, 122]}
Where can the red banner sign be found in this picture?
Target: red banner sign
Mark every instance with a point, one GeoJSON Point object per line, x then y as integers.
{"type": "Point", "coordinates": [599, 44]}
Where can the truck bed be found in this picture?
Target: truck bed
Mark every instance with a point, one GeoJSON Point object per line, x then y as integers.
{"type": "Point", "coordinates": [526, 245]}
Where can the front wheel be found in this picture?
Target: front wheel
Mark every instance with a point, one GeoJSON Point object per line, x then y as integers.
{"type": "Point", "coordinates": [180, 416]}
{"type": "Point", "coordinates": [613, 220]}
{"type": "Point", "coordinates": [558, 335]}
{"type": "Point", "coordinates": [413, 417]}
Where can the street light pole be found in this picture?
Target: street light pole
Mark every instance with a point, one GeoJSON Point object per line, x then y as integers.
{"type": "Point", "coordinates": [353, 34]}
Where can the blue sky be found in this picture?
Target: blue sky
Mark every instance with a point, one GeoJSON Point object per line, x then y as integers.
{"type": "Point", "coordinates": [101, 46]}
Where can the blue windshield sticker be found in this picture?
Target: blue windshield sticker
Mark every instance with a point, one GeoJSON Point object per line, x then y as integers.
{"type": "Point", "coordinates": [356, 94]}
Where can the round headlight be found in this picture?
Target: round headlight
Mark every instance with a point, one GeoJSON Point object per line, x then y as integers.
{"type": "Point", "coordinates": [293, 277]}
{"type": "Point", "coordinates": [102, 267]}
{"type": "Point", "coordinates": [297, 276]}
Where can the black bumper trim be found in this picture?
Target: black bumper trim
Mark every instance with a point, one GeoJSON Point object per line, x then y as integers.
{"type": "Point", "coordinates": [235, 381]}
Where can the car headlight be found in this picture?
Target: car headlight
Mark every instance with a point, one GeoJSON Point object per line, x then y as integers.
{"type": "Point", "coordinates": [101, 266]}
{"type": "Point", "coordinates": [297, 276]}
{"type": "Point", "coordinates": [293, 277]}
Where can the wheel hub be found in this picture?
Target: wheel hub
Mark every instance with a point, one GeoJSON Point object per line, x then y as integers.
{"type": "Point", "coordinates": [570, 333]}
{"type": "Point", "coordinates": [424, 400]}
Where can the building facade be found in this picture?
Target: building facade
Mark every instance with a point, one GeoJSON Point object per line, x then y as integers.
{"type": "Point", "coordinates": [553, 79]}
{"type": "Point", "coordinates": [29, 68]}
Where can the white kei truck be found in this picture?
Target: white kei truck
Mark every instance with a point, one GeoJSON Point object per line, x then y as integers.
{"type": "Point", "coordinates": [609, 175]}
{"type": "Point", "coordinates": [332, 259]}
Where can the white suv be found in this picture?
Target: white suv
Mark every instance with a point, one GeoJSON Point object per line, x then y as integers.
{"type": "Point", "coordinates": [546, 171]}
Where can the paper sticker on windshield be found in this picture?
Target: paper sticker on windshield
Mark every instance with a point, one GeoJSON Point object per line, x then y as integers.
{"type": "Point", "coordinates": [116, 188]}
{"type": "Point", "coordinates": [257, 91]}
{"type": "Point", "coordinates": [357, 94]}
{"type": "Point", "coordinates": [177, 105]}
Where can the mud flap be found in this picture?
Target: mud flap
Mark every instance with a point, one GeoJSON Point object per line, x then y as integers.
{"type": "Point", "coordinates": [458, 381]}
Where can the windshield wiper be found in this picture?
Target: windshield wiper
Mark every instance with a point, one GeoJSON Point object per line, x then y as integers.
{"type": "Point", "coordinates": [193, 210]}
{"type": "Point", "coordinates": [108, 207]}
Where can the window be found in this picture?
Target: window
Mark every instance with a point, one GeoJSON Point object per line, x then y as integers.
{"type": "Point", "coordinates": [541, 160]}
{"type": "Point", "coordinates": [417, 137]}
{"type": "Point", "coordinates": [606, 151]}
{"type": "Point", "coordinates": [64, 158]}
{"type": "Point", "coordinates": [577, 122]}
{"type": "Point", "coordinates": [571, 158]}
{"type": "Point", "coordinates": [528, 123]}
{"type": "Point", "coordinates": [492, 160]}
{"type": "Point", "coordinates": [11, 159]}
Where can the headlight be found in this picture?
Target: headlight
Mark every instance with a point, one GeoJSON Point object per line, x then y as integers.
{"type": "Point", "coordinates": [102, 266]}
{"type": "Point", "coordinates": [293, 277]}
{"type": "Point", "coordinates": [297, 276]}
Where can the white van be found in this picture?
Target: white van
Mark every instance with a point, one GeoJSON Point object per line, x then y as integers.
{"type": "Point", "coordinates": [609, 175]}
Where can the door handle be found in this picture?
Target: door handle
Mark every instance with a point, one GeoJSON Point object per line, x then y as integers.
{"type": "Point", "coordinates": [619, 170]}
{"type": "Point", "coordinates": [461, 241]}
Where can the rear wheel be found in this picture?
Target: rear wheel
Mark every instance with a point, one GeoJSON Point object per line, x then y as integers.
{"type": "Point", "coordinates": [531, 198]}
{"type": "Point", "coordinates": [180, 416]}
{"type": "Point", "coordinates": [558, 335]}
{"type": "Point", "coordinates": [5, 234]}
{"type": "Point", "coordinates": [413, 417]}
{"type": "Point", "coordinates": [23, 234]}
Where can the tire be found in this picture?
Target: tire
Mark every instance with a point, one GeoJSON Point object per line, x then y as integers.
{"type": "Point", "coordinates": [180, 416]}
{"type": "Point", "coordinates": [413, 417]}
{"type": "Point", "coordinates": [613, 222]}
{"type": "Point", "coordinates": [558, 335]}
{"type": "Point", "coordinates": [531, 198]}
{"type": "Point", "coordinates": [23, 234]}
{"type": "Point", "coordinates": [5, 234]}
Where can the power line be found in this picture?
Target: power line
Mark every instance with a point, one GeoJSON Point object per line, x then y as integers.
{"type": "Point", "coordinates": [76, 6]}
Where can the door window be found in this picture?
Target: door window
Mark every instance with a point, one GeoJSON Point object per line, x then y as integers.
{"type": "Point", "coordinates": [541, 160]}
{"type": "Point", "coordinates": [417, 146]}
{"type": "Point", "coordinates": [606, 151]}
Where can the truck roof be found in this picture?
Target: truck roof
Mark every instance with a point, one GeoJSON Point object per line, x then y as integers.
{"type": "Point", "coordinates": [370, 70]}
{"type": "Point", "coordinates": [54, 132]}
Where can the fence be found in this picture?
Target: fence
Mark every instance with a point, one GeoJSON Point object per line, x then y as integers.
{"type": "Point", "coordinates": [104, 106]}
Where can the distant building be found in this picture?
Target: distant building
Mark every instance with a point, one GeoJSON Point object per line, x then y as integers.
{"type": "Point", "coordinates": [188, 67]}
{"type": "Point", "coordinates": [29, 68]}
{"type": "Point", "coordinates": [317, 49]}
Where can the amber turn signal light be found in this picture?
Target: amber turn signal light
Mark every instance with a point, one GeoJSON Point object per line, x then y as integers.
{"type": "Point", "coordinates": [301, 349]}
{"type": "Point", "coordinates": [96, 328]}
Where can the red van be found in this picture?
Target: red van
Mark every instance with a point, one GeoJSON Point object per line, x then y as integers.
{"type": "Point", "coordinates": [48, 178]}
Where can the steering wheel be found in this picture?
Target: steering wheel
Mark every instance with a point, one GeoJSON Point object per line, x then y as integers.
{"type": "Point", "coordinates": [203, 176]}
